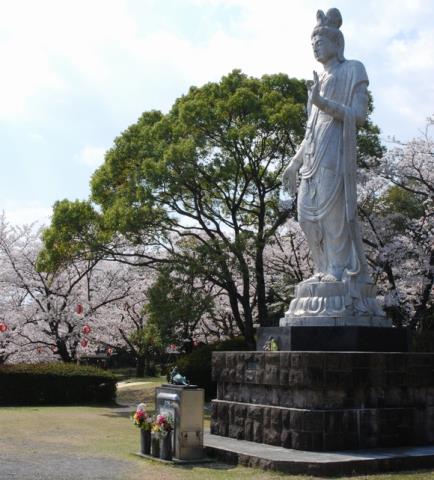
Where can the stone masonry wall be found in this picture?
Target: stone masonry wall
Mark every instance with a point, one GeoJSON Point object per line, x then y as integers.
{"type": "Point", "coordinates": [324, 400]}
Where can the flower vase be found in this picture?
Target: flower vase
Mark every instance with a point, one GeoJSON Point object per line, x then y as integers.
{"type": "Point", "coordinates": [166, 447]}
{"type": "Point", "coordinates": [155, 445]}
{"type": "Point", "coordinates": [145, 442]}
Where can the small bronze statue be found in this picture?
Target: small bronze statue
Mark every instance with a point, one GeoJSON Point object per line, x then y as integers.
{"type": "Point", "coordinates": [271, 345]}
{"type": "Point", "coordinates": [175, 378]}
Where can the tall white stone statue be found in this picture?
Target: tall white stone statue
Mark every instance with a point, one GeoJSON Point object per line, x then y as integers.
{"type": "Point", "coordinates": [341, 291]}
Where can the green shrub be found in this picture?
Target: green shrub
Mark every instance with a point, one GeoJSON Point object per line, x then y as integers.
{"type": "Point", "coordinates": [55, 383]}
{"type": "Point", "coordinates": [196, 366]}
{"type": "Point", "coordinates": [422, 341]}
{"type": "Point", "coordinates": [237, 344]}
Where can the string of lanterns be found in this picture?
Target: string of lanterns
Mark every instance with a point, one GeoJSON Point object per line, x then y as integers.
{"type": "Point", "coordinates": [84, 342]}
{"type": "Point", "coordinates": [87, 329]}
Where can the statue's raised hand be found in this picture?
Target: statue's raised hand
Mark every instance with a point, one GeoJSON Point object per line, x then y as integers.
{"type": "Point", "coordinates": [315, 96]}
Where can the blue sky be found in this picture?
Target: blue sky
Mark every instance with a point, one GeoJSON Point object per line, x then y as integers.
{"type": "Point", "coordinates": [76, 73]}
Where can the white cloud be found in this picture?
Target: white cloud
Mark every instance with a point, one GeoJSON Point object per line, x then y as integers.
{"type": "Point", "coordinates": [58, 48]}
{"type": "Point", "coordinates": [27, 213]}
{"type": "Point", "coordinates": [52, 45]}
{"type": "Point", "coordinates": [75, 74]}
{"type": "Point", "coordinates": [91, 156]}
{"type": "Point", "coordinates": [411, 53]}
{"type": "Point", "coordinates": [37, 138]}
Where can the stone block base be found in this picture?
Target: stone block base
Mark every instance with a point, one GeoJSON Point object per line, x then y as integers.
{"type": "Point", "coordinates": [336, 339]}
{"type": "Point", "coordinates": [324, 400]}
{"type": "Point", "coordinates": [322, 430]}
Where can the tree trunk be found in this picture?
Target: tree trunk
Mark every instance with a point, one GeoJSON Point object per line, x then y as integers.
{"type": "Point", "coordinates": [140, 367]}
{"type": "Point", "coordinates": [260, 289]}
{"type": "Point", "coordinates": [422, 316]}
{"type": "Point", "coordinates": [63, 351]}
{"type": "Point", "coordinates": [396, 313]}
{"type": "Point", "coordinates": [249, 336]}
{"type": "Point", "coordinates": [249, 331]}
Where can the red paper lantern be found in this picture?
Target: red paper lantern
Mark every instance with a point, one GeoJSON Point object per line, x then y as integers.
{"type": "Point", "coordinates": [3, 327]}
{"type": "Point", "coordinates": [84, 343]}
{"type": "Point", "coordinates": [109, 351]}
{"type": "Point", "coordinates": [86, 329]}
{"type": "Point", "coordinates": [79, 309]}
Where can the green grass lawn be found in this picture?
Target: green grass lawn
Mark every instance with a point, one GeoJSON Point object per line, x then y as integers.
{"type": "Point", "coordinates": [82, 435]}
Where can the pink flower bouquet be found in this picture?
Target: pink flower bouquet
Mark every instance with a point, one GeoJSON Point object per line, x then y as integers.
{"type": "Point", "coordinates": [141, 417]}
{"type": "Point", "coordinates": [163, 424]}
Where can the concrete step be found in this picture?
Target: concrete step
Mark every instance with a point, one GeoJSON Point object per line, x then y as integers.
{"type": "Point", "coordinates": [350, 462]}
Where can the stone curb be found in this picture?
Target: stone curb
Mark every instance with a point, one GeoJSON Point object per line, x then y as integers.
{"type": "Point", "coordinates": [359, 462]}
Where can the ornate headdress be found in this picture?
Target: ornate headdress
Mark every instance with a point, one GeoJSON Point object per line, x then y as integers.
{"type": "Point", "coordinates": [329, 24]}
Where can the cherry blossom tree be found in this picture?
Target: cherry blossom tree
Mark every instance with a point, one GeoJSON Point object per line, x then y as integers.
{"type": "Point", "coordinates": [288, 262]}
{"type": "Point", "coordinates": [396, 206]}
{"type": "Point", "coordinates": [51, 311]}
{"type": "Point", "coordinates": [80, 308]}
{"type": "Point", "coordinates": [123, 324]}
{"type": "Point", "coordinates": [7, 324]}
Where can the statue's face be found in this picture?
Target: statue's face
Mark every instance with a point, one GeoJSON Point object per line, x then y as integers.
{"type": "Point", "coordinates": [324, 49]}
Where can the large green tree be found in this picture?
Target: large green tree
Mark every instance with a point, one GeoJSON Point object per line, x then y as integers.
{"type": "Point", "coordinates": [208, 173]}
{"type": "Point", "coordinates": [177, 303]}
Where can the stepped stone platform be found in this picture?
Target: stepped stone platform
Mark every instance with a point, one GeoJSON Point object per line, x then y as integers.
{"type": "Point", "coordinates": [324, 401]}
{"type": "Point", "coordinates": [358, 462]}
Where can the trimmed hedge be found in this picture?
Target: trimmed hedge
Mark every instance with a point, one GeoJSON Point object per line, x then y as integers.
{"type": "Point", "coordinates": [197, 365]}
{"type": "Point", "coordinates": [55, 383]}
{"type": "Point", "coordinates": [422, 341]}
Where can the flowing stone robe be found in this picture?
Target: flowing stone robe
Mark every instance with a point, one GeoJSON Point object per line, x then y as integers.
{"type": "Point", "coordinates": [327, 201]}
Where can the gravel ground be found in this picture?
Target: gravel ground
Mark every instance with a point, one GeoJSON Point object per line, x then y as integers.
{"type": "Point", "coordinates": [69, 443]}
{"type": "Point", "coordinates": [62, 467]}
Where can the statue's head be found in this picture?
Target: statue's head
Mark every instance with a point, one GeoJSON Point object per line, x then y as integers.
{"type": "Point", "coordinates": [327, 39]}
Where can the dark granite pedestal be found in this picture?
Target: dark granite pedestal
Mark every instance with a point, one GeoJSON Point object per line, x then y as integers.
{"type": "Point", "coordinates": [336, 339]}
{"type": "Point", "coordinates": [322, 401]}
